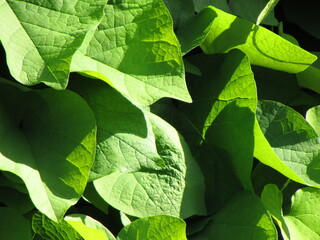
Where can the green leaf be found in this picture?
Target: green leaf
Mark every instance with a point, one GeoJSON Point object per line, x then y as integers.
{"type": "Point", "coordinates": [302, 222]}
{"type": "Point", "coordinates": [222, 113]}
{"type": "Point", "coordinates": [287, 143]}
{"type": "Point", "coordinates": [250, 10]}
{"type": "Point", "coordinates": [180, 10]}
{"type": "Point", "coordinates": [142, 160]}
{"type": "Point", "coordinates": [313, 118]}
{"type": "Point", "coordinates": [303, 219]}
{"type": "Point", "coordinates": [221, 4]}
{"type": "Point", "coordinates": [48, 229]}
{"type": "Point", "coordinates": [196, 29]}
{"type": "Point", "coordinates": [271, 198]}
{"type": "Point", "coordinates": [13, 226]}
{"type": "Point", "coordinates": [14, 199]}
{"type": "Point", "coordinates": [88, 228]}
{"type": "Point", "coordinates": [156, 228]}
{"type": "Point", "coordinates": [242, 217]}
{"type": "Point", "coordinates": [310, 78]}
{"type": "Point", "coordinates": [135, 50]}
{"type": "Point", "coordinates": [49, 146]}
{"type": "Point", "coordinates": [229, 32]}
{"type": "Point", "coordinates": [40, 37]}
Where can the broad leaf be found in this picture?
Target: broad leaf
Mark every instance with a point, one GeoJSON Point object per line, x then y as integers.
{"type": "Point", "coordinates": [221, 4]}
{"type": "Point", "coordinates": [287, 143]}
{"type": "Point", "coordinates": [222, 113]}
{"type": "Point", "coordinates": [40, 37]}
{"type": "Point", "coordinates": [88, 228]}
{"type": "Point", "coordinates": [13, 226]}
{"type": "Point", "coordinates": [135, 50]}
{"type": "Point", "coordinates": [263, 47]}
{"type": "Point", "coordinates": [156, 228]}
{"type": "Point", "coordinates": [49, 146]}
{"type": "Point", "coordinates": [180, 11]}
{"type": "Point", "coordinates": [196, 29]}
{"type": "Point", "coordinates": [242, 217]}
{"type": "Point", "coordinates": [302, 222]}
{"type": "Point", "coordinates": [48, 229]}
{"type": "Point", "coordinates": [313, 118]}
{"type": "Point", "coordinates": [143, 165]}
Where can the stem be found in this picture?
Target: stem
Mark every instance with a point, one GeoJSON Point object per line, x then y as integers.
{"type": "Point", "coordinates": [267, 9]}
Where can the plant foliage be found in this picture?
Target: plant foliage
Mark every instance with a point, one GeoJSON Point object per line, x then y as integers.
{"type": "Point", "coordinates": [158, 119]}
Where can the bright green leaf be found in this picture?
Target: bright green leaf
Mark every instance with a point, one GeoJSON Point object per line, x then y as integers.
{"type": "Point", "coordinates": [302, 222]}
{"type": "Point", "coordinates": [88, 228]}
{"type": "Point", "coordinates": [158, 227]}
{"type": "Point", "coordinates": [135, 50]}
{"type": "Point", "coordinates": [271, 198]}
{"type": "Point", "coordinates": [142, 160]}
{"type": "Point", "coordinates": [40, 37]}
{"type": "Point", "coordinates": [49, 146]}
{"type": "Point", "coordinates": [313, 118]}
{"type": "Point", "coordinates": [242, 217]}
{"type": "Point", "coordinates": [263, 47]}
{"type": "Point", "coordinates": [287, 143]}
{"type": "Point", "coordinates": [13, 226]}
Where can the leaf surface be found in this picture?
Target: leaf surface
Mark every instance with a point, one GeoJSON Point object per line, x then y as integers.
{"type": "Point", "coordinates": [156, 227]}
{"type": "Point", "coordinates": [40, 37]}
{"type": "Point", "coordinates": [221, 114]}
{"type": "Point", "coordinates": [135, 50]}
{"type": "Point", "coordinates": [143, 166]}
{"type": "Point", "coordinates": [287, 143]}
{"type": "Point", "coordinates": [49, 146]}
{"type": "Point", "coordinates": [242, 217]}
{"type": "Point", "coordinates": [263, 47]}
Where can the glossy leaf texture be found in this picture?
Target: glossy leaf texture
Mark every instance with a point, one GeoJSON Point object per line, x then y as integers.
{"type": "Point", "coordinates": [242, 217]}
{"type": "Point", "coordinates": [48, 140]}
{"type": "Point", "coordinates": [222, 111]}
{"type": "Point", "coordinates": [161, 176]}
{"type": "Point", "coordinates": [263, 47]}
{"type": "Point", "coordinates": [135, 50]}
{"type": "Point", "coordinates": [286, 142]}
{"type": "Point", "coordinates": [41, 37]}
{"type": "Point", "coordinates": [303, 219]}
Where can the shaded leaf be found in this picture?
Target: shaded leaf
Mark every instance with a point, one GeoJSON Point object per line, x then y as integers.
{"type": "Point", "coordinates": [242, 217]}
{"type": "Point", "coordinates": [49, 146]}
{"type": "Point", "coordinates": [13, 226]}
{"type": "Point", "coordinates": [287, 143]}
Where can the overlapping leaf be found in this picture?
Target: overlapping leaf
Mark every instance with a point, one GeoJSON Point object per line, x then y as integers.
{"type": "Point", "coordinates": [242, 217]}
{"type": "Point", "coordinates": [263, 47]}
{"type": "Point", "coordinates": [134, 49]}
{"type": "Point", "coordinates": [40, 37]}
{"type": "Point", "coordinates": [287, 143]}
{"type": "Point", "coordinates": [302, 222]}
{"type": "Point", "coordinates": [143, 165]}
{"type": "Point", "coordinates": [221, 119]}
{"type": "Point", "coordinates": [48, 140]}
{"type": "Point", "coordinates": [156, 227]}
